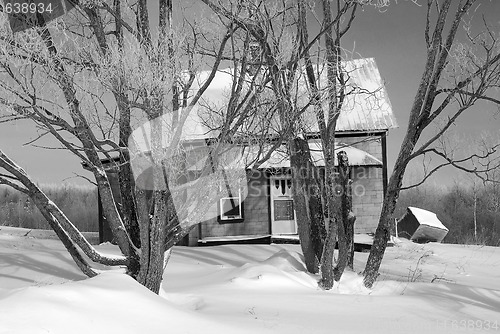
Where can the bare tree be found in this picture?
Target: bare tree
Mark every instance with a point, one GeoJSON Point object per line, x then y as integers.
{"type": "Point", "coordinates": [289, 67]}
{"type": "Point", "coordinates": [88, 81]}
{"type": "Point", "coordinates": [337, 22]}
{"type": "Point", "coordinates": [273, 30]}
{"type": "Point", "coordinates": [456, 76]}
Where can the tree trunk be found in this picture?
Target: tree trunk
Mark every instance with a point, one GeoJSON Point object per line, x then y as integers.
{"type": "Point", "coordinates": [153, 229]}
{"type": "Point", "coordinates": [326, 268]}
{"type": "Point", "coordinates": [307, 202]}
{"type": "Point", "coordinates": [153, 233]}
{"type": "Point", "coordinates": [475, 213]}
{"type": "Point", "coordinates": [349, 221]}
{"type": "Point", "coordinates": [334, 214]}
{"type": "Point", "coordinates": [382, 234]}
{"type": "Point", "coordinates": [67, 242]}
{"type": "Point", "coordinates": [318, 231]}
{"type": "Point", "coordinates": [346, 228]}
{"type": "Point", "coordinates": [419, 119]}
{"type": "Point", "coordinates": [125, 175]}
{"type": "Point", "coordinates": [127, 184]}
{"type": "Point", "coordinates": [68, 233]}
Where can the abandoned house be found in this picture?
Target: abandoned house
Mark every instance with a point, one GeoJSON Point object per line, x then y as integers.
{"type": "Point", "coordinates": [267, 211]}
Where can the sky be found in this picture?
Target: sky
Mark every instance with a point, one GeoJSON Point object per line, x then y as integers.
{"type": "Point", "coordinates": [393, 36]}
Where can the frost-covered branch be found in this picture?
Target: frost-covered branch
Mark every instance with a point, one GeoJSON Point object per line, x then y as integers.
{"type": "Point", "coordinates": [59, 220]}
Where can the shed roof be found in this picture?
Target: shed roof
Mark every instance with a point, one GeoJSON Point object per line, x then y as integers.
{"type": "Point", "coordinates": [427, 218]}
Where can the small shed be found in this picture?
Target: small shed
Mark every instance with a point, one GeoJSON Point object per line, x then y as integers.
{"type": "Point", "coordinates": [421, 226]}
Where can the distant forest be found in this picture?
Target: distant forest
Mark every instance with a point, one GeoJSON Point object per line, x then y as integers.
{"type": "Point", "coordinates": [471, 213]}
{"type": "Point", "coordinates": [79, 203]}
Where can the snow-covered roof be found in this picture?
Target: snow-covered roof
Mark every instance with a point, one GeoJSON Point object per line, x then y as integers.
{"type": "Point", "coordinates": [427, 218]}
{"type": "Point", "coordinates": [362, 111]}
{"type": "Point", "coordinates": [192, 129]}
{"type": "Point", "coordinates": [368, 109]}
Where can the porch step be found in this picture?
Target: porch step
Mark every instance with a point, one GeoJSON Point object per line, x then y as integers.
{"type": "Point", "coordinates": [362, 242]}
{"type": "Point", "coordinates": [236, 239]}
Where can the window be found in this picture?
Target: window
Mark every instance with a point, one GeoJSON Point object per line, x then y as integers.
{"type": "Point", "coordinates": [283, 210]}
{"type": "Point", "coordinates": [231, 209]}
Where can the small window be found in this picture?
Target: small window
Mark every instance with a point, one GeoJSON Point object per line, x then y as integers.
{"type": "Point", "coordinates": [231, 209]}
{"type": "Point", "coordinates": [283, 210]}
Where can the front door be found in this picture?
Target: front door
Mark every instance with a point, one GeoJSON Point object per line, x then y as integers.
{"type": "Point", "coordinates": [282, 210]}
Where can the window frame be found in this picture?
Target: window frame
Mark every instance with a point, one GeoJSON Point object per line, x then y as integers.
{"type": "Point", "coordinates": [222, 218]}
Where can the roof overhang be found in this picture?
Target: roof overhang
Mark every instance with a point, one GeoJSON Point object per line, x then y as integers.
{"type": "Point", "coordinates": [246, 156]}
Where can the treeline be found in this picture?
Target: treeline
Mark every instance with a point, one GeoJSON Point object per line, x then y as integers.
{"type": "Point", "coordinates": [471, 213]}
{"type": "Point", "coordinates": [79, 203]}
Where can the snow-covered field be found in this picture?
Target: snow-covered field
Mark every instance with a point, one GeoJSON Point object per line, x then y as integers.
{"type": "Point", "coordinates": [431, 288]}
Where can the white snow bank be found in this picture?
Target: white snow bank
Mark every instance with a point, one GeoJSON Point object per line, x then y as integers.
{"type": "Point", "coordinates": [110, 302]}
{"type": "Point", "coordinates": [279, 270]}
{"type": "Point", "coordinates": [251, 288]}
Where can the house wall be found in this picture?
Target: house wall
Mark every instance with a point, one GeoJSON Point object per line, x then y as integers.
{"type": "Point", "coordinates": [256, 213]}
{"type": "Point", "coordinates": [368, 184]}
{"type": "Point", "coordinates": [367, 197]}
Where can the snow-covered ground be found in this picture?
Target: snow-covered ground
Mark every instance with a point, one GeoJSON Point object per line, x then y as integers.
{"type": "Point", "coordinates": [431, 288]}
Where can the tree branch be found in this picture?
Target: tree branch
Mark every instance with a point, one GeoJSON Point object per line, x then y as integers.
{"type": "Point", "coordinates": [63, 223]}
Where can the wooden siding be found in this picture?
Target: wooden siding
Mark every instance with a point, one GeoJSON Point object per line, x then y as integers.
{"type": "Point", "coordinates": [256, 213]}
{"type": "Point", "coordinates": [367, 197]}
